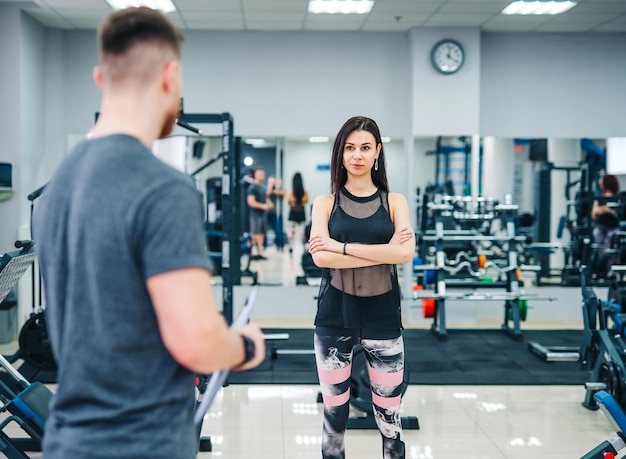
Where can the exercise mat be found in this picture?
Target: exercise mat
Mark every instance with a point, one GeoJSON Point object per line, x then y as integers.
{"type": "Point", "coordinates": [469, 356]}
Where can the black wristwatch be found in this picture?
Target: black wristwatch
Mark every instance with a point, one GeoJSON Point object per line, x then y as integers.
{"type": "Point", "coordinates": [248, 347]}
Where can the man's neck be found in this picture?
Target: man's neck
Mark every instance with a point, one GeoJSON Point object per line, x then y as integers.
{"type": "Point", "coordinates": [127, 115]}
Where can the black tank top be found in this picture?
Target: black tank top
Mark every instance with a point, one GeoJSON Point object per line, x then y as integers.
{"type": "Point", "coordinates": [360, 297]}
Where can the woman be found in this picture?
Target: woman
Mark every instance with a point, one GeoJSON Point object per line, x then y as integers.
{"type": "Point", "coordinates": [275, 194]}
{"type": "Point", "coordinates": [606, 224]}
{"type": "Point", "coordinates": [297, 198]}
{"type": "Point", "coordinates": [358, 235]}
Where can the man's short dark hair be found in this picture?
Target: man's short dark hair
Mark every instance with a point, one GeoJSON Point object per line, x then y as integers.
{"type": "Point", "coordinates": [125, 28]}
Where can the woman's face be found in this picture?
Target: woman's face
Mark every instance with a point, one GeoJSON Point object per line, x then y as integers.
{"type": "Point", "coordinates": [359, 152]}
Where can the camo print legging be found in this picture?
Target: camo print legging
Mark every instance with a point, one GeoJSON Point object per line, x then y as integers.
{"type": "Point", "coordinates": [385, 361]}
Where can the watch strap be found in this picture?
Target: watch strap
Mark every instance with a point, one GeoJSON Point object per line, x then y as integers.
{"type": "Point", "coordinates": [249, 348]}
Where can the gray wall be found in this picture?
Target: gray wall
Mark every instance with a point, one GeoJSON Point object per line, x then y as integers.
{"type": "Point", "coordinates": [10, 45]}
{"type": "Point", "coordinates": [553, 85]}
{"type": "Point", "coordinates": [445, 104]}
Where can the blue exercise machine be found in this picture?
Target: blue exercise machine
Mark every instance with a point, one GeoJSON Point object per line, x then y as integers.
{"type": "Point", "coordinates": [26, 403]}
{"type": "Point", "coordinates": [608, 449]}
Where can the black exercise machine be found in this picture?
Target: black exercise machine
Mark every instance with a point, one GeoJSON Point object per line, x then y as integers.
{"type": "Point", "coordinates": [603, 349]}
{"type": "Point", "coordinates": [34, 351]}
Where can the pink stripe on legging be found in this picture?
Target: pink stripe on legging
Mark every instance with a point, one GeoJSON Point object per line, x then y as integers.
{"type": "Point", "coordinates": [334, 376]}
{"type": "Point", "coordinates": [386, 402]}
{"type": "Point", "coordinates": [336, 400]}
{"type": "Point", "coordinates": [385, 379]}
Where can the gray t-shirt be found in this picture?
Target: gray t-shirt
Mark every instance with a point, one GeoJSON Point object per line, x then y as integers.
{"type": "Point", "coordinates": [112, 216]}
{"type": "Point", "coordinates": [260, 194]}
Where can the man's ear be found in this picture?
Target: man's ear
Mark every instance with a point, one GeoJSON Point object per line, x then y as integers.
{"type": "Point", "coordinates": [97, 76]}
{"type": "Point", "coordinates": [171, 75]}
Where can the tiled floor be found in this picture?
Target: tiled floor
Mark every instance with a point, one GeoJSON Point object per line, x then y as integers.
{"type": "Point", "coordinates": [467, 422]}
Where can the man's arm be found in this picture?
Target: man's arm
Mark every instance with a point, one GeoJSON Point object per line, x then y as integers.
{"type": "Point", "coordinates": [254, 204]}
{"type": "Point", "coordinates": [192, 328]}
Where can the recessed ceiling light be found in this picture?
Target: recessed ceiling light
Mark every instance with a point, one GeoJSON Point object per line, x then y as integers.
{"type": "Point", "coordinates": [318, 139]}
{"type": "Point", "coordinates": [162, 5]}
{"type": "Point", "coordinates": [536, 7]}
{"type": "Point", "coordinates": [340, 6]}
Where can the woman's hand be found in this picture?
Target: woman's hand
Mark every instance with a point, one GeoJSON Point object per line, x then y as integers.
{"type": "Point", "coordinates": [324, 243]}
{"type": "Point", "coordinates": [401, 236]}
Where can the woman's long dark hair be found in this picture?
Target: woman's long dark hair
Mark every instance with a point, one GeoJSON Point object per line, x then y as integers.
{"type": "Point", "coordinates": [338, 174]}
{"type": "Point", "coordinates": [298, 187]}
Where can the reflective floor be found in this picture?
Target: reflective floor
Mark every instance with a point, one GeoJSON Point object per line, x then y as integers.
{"type": "Point", "coordinates": [468, 422]}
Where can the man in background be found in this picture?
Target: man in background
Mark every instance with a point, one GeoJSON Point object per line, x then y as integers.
{"type": "Point", "coordinates": [259, 205]}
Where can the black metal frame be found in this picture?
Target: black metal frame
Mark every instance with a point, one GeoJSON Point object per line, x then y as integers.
{"type": "Point", "coordinates": [231, 190]}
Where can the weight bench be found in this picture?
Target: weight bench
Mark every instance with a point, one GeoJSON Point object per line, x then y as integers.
{"type": "Point", "coordinates": [614, 413]}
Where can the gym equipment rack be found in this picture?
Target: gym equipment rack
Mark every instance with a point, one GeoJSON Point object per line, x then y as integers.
{"type": "Point", "coordinates": [513, 297]}
{"type": "Point", "coordinates": [231, 190]}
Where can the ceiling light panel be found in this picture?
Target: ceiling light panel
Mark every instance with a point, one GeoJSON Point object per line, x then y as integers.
{"type": "Point", "coordinates": [538, 8]}
{"type": "Point", "coordinates": [340, 6]}
{"type": "Point", "coordinates": [162, 5]}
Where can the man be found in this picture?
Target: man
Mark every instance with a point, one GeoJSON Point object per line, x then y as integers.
{"type": "Point", "coordinates": [120, 242]}
{"type": "Point", "coordinates": [259, 205]}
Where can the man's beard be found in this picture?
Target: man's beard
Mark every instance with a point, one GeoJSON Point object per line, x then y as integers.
{"type": "Point", "coordinates": [168, 124]}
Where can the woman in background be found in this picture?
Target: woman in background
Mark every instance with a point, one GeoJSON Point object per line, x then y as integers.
{"type": "Point", "coordinates": [297, 199]}
{"type": "Point", "coordinates": [605, 224]}
{"type": "Point", "coordinates": [275, 194]}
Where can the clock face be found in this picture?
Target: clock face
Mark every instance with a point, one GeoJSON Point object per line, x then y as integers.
{"type": "Point", "coordinates": [447, 56]}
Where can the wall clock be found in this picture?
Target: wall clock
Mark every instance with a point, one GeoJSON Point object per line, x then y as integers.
{"type": "Point", "coordinates": [447, 56]}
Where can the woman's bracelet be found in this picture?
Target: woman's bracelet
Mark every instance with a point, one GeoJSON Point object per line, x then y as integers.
{"type": "Point", "coordinates": [344, 248]}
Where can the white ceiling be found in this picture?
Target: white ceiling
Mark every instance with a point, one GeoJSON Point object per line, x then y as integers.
{"type": "Point", "coordinates": [387, 15]}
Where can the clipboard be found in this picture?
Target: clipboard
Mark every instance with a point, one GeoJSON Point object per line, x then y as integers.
{"type": "Point", "coordinates": [218, 378]}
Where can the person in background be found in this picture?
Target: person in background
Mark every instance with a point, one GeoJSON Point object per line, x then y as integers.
{"type": "Point", "coordinates": [275, 194]}
{"type": "Point", "coordinates": [297, 199]}
{"type": "Point", "coordinates": [258, 205]}
{"type": "Point", "coordinates": [120, 242]}
{"type": "Point", "coordinates": [606, 223]}
{"type": "Point", "coordinates": [358, 235]}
